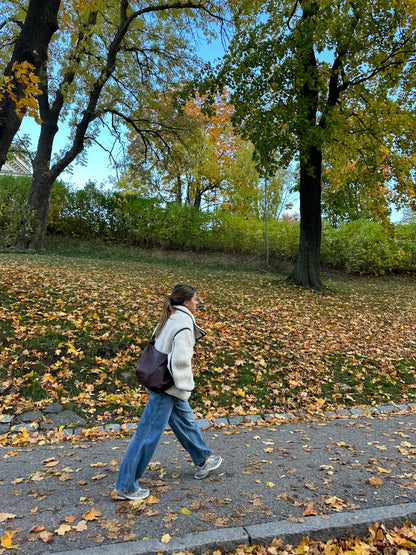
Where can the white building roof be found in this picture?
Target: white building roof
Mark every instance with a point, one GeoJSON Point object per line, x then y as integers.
{"type": "Point", "coordinates": [16, 167]}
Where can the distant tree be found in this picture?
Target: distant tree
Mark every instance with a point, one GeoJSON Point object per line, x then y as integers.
{"type": "Point", "coordinates": [202, 162]}
{"type": "Point", "coordinates": [409, 215]}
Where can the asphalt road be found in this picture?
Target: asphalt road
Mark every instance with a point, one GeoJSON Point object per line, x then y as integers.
{"type": "Point", "coordinates": [283, 480]}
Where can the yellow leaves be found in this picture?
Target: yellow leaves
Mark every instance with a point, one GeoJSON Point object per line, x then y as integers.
{"type": "Point", "coordinates": [185, 511]}
{"type": "Point", "coordinates": [50, 462]}
{"type": "Point", "coordinates": [165, 538]}
{"type": "Point", "coordinates": [93, 514]}
{"type": "Point", "coordinates": [25, 80]}
{"type": "Point", "coordinates": [63, 529]}
{"type": "Point", "coordinates": [383, 470]}
{"type": "Point", "coordinates": [7, 540]}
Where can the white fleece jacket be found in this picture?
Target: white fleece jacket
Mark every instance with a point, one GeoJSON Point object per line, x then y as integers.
{"type": "Point", "coordinates": [177, 340]}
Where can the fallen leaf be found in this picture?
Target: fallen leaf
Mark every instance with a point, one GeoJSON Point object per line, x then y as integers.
{"type": "Point", "coordinates": [309, 510]}
{"type": "Point", "coordinates": [80, 527]}
{"type": "Point", "coordinates": [4, 517]}
{"type": "Point", "coordinates": [37, 529]}
{"type": "Point", "coordinates": [93, 514]}
{"type": "Point", "coordinates": [7, 539]}
{"type": "Point", "coordinates": [98, 477]}
{"type": "Point", "coordinates": [295, 519]}
{"type": "Point", "coordinates": [50, 462]}
{"type": "Point", "coordinates": [46, 536]}
{"type": "Point", "coordinates": [376, 482]}
{"type": "Point", "coordinates": [165, 538]}
{"type": "Point", "coordinates": [383, 470]}
{"type": "Point", "coordinates": [63, 529]}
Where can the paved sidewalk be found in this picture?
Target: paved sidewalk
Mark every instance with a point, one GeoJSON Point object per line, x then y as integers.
{"type": "Point", "coordinates": [317, 478]}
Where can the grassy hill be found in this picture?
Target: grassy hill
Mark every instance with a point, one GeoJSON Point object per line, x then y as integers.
{"type": "Point", "coordinates": [74, 320]}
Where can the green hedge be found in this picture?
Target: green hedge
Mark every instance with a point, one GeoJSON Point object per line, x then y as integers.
{"type": "Point", "coordinates": [360, 246]}
{"type": "Point", "coordinates": [366, 247]}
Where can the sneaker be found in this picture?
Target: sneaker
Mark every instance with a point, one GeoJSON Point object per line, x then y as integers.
{"type": "Point", "coordinates": [138, 494]}
{"type": "Point", "coordinates": [211, 463]}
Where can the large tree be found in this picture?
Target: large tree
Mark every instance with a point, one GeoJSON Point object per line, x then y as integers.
{"type": "Point", "coordinates": [109, 57]}
{"type": "Point", "coordinates": [301, 71]}
{"type": "Point", "coordinates": [31, 38]}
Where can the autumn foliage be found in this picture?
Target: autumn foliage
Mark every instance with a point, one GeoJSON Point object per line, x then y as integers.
{"type": "Point", "coordinates": [25, 103]}
{"type": "Point", "coordinates": [73, 328]}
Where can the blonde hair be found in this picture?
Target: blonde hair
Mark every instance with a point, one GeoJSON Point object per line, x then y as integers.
{"type": "Point", "coordinates": [179, 295]}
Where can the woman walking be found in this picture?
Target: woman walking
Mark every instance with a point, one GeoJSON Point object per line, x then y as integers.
{"type": "Point", "coordinates": [175, 335]}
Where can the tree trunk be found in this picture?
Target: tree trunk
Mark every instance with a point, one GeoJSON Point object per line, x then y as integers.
{"type": "Point", "coordinates": [35, 218]}
{"type": "Point", "coordinates": [198, 198]}
{"type": "Point", "coordinates": [32, 46]}
{"type": "Point", "coordinates": [307, 269]}
{"type": "Point", "coordinates": [178, 190]}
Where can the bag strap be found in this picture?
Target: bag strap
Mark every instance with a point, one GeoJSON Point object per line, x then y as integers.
{"type": "Point", "coordinates": [153, 339]}
{"type": "Point", "coordinates": [179, 331]}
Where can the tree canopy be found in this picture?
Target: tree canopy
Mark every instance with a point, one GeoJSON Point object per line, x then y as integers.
{"type": "Point", "coordinates": [320, 82]}
{"type": "Point", "coordinates": [108, 58]}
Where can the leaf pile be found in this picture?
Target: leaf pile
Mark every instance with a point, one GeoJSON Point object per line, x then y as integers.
{"type": "Point", "coordinates": [71, 331]}
{"type": "Point", "coordinates": [400, 541]}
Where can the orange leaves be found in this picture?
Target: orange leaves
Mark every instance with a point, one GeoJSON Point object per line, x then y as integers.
{"type": "Point", "coordinates": [76, 329]}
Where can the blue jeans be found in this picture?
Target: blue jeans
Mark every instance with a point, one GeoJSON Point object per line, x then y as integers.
{"type": "Point", "coordinates": [160, 410]}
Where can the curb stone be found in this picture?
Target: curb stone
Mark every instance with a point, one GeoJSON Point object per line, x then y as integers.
{"type": "Point", "coordinates": [228, 539]}
{"type": "Point", "coordinates": [54, 416]}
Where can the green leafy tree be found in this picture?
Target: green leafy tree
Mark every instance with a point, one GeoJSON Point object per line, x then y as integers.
{"type": "Point", "coordinates": [108, 58]}
{"type": "Point", "coordinates": [302, 72]}
{"type": "Point", "coordinates": [365, 174]}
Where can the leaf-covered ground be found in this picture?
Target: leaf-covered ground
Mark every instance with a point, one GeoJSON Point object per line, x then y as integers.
{"type": "Point", "coordinates": [71, 329]}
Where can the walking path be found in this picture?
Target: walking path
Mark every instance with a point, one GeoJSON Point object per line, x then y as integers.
{"type": "Point", "coordinates": [286, 478]}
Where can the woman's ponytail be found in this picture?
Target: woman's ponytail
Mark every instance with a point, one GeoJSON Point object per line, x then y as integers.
{"type": "Point", "coordinates": [164, 317]}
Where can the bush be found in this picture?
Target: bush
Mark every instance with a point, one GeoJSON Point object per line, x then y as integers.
{"type": "Point", "coordinates": [284, 239]}
{"type": "Point", "coordinates": [361, 246]}
{"type": "Point", "coordinates": [182, 227]}
{"type": "Point", "coordinates": [233, 233]}
{"type": "Point", "coordinates": [405, 238]}
{"type": "Point", "coordinates": [14, 192]}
